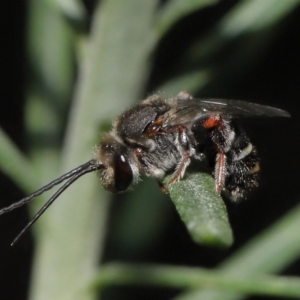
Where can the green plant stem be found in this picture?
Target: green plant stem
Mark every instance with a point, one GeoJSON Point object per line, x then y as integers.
{"type": "Point", "coordinates": [190, 278]}
{"type": "Point", "coordinates": [111, 76]}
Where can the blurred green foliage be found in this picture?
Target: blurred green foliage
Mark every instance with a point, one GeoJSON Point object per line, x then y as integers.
{"type": "Point", "coordinates": [80, 78]}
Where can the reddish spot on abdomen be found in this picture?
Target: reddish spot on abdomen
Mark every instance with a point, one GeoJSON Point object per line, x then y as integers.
{"type": "Point", "coordinates": [211, 122]}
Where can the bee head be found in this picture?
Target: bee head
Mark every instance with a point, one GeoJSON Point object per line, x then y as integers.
{"type": "Point", "coordinates": [116, 174]}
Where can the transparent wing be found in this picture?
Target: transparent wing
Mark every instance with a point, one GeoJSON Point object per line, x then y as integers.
{"type": "Point", "coordinates": [193, 109]}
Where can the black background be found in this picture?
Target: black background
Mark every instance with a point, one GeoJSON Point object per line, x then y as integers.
{"type": "Point", "coordinates": [274, 81]}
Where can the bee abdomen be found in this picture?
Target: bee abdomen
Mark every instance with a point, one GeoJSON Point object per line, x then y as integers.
{"type": "Point", "coordinates": [242, 167]}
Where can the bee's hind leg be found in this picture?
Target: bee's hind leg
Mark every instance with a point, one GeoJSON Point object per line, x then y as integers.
{"type": "Point", "coordinates": [220, 172]}
{"type": "Point", "coordinates": [222, 136]}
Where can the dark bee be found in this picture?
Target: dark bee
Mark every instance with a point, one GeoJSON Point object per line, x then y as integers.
{"type": "Point", "coordinates": [162, 135]}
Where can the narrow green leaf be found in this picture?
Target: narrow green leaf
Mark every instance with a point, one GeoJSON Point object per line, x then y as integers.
{"type": "Point", "coordinates": [73, 9]}
{"type": "Point", "coordinates": [202, 210]}
{"type": "Point", "coordinates": [243, 20]}
{"type": "Point", "coordinates": [270, 252]}
{"type": "Point", "coordinates": [177, 9]}
{"type": "Point", "coordinates": [191, 81]}
{"type": "Point", "coordinates": [187, 277]}
{"type": "Point", "coordinates": [15, 165]}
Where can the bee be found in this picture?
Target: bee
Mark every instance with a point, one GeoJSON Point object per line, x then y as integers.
{"type": "Point", "coordinates": [161, 136]}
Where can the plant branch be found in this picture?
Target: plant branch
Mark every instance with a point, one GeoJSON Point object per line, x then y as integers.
{"type": "Point", "coordinates": [190, 278]}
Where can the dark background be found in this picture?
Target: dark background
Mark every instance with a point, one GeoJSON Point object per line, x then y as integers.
{"type": "Point", "coordinates": [273, 81]}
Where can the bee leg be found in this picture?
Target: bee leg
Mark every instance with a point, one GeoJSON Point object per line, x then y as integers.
{"type": "Point", "coordinates": [185, 160]}
{"type": "Point", "coordinates": [222, 136]}
{"type": "Point", "coordinates": [220, 172]}
{"type": "Point", "coordinates": [162, 187]}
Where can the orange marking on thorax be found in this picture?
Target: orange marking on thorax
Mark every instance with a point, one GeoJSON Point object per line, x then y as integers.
{"type": "Point", "coordinates": [181, 128]}
{"type": "Point", "coordinates": [154, 127]}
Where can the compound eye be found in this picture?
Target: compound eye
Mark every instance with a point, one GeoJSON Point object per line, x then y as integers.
{"type": "Point", "coordinates": [123, 173]}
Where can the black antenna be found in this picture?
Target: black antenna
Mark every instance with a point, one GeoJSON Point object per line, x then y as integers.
{"type": "Point", "coordinates": [45, 188]}
{"type": "Point", "coordinates": [88, 167]}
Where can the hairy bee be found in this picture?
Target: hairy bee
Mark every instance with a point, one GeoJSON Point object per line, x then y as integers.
{"type": "Point", "coordinates": [162, 135]}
